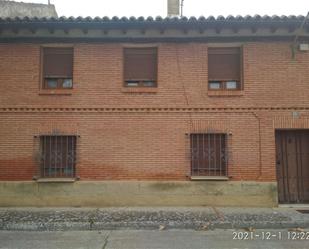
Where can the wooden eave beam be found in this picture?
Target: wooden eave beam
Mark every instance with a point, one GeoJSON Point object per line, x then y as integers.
{"type": "Point", "coordinates": [254, 29]}
{"type": "Point", "coordinates": [235, 29]}
{"type": "Point", "coordinates": [273, 29]}
{"type": "Point", "coordinates": [33, 30]}
{"type": "Point", "coordinates": [291, 28]}
{"type": "Point", "coordinates": [51, 30]}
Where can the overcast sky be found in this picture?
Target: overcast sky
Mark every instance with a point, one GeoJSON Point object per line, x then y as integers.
{"type": "Point", "coordinates": [191, 7]}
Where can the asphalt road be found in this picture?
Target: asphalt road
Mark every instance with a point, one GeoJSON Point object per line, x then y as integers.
{"type": "Point", "coordinates": [155, 239]}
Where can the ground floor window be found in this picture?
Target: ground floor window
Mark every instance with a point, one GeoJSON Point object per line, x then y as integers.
{"type": "Point", "coordinates": [208, 154]}
{"type": "Point", "coordinates": [58, 156]}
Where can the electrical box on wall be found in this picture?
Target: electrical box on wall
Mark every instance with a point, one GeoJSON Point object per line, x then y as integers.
{"type": "Point", "coordinates": [304, 46]}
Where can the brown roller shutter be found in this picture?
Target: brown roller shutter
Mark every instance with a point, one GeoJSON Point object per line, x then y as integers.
{"type": "Point", "coordinates": [58, 62]}
{"type": "Point", "coordinates": [224, 64]}
{"type": "Point", "coordinates": [140, 64]}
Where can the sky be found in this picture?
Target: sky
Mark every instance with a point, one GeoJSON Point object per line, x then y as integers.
{"type": "Point", "coordinates": [191, 7]}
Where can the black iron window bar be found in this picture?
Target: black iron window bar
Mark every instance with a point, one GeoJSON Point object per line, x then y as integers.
{"type": "Point", "coordinates": [209, 154]}
{"type": "Point", "coordinates": [57, 156]}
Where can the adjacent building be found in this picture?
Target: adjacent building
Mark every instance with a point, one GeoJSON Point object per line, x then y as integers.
{"type": "Point", "coordinates": [12, 9]}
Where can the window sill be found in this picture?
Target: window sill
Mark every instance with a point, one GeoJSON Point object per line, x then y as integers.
{"type": "Point", "coordinates": [139, 90]}
{"type": "Point", "coordinates": [220, 93]}
{"type": "Point", "coordinates": [56, 92]}
{"type": "Point", "coordinates": [211, 178]}
{"type": "Point", "coordinates": [47, 180]}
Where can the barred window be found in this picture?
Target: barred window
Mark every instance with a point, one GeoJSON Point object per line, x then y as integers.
{"type": "Point", "coordinates": [140, 67]}
{"type": "Point", "coordinates": [208, 154]}
{"type": "Point", "coordinates": [224, 68]}
{"type": "Point", "coordinates": [57, 68]}
{"type": "Point", "coordinates": [58, 156]}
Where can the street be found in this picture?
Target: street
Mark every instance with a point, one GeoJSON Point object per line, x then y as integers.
{"type": "Point", "coordinates": [151, 239]}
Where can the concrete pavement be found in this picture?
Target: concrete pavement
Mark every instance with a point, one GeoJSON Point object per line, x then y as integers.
{"type": "Point", "coordinates": [141, 239]}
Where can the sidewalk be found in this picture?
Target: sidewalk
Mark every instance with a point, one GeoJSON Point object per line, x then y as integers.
{"type": "Point", "coordinates": [198, 218]}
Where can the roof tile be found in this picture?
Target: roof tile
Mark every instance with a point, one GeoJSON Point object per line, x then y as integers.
{"type": "Point", "coordinates": [202, 19]}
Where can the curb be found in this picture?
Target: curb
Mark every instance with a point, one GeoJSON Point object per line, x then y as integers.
{"type": "Point", "coordinates": [85, 226]}
{"type": "Point", "coordinates": [150, 219]}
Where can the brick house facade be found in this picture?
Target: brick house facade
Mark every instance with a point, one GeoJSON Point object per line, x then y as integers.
{"type": "Point", "coordinates": [134, 145]}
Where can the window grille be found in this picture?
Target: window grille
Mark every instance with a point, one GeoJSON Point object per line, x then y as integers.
{"type": "Point", "coordinates": [209, 154]}
{"type": "Point", "coordinates": [58, 156]}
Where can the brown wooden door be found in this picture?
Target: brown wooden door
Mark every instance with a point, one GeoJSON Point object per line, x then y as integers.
{"type": "Point", "coordinates": [292, 161]}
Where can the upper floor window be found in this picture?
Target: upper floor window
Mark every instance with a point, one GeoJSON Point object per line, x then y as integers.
{"type": "Point", "coordinates": [57, 68]}
{"type": "Point", "coordinates": [140, 67]}
{"type": "Point", "coordinates": [224, 68]}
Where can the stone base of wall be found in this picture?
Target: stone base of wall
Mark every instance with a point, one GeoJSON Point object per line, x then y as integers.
{"type": "Point", "coordinates": [138, 193]}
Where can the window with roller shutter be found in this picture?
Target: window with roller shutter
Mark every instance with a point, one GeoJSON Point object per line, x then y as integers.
{"type": "Point", "coordinates": [224, 68]}
{"type": "Point", "coordinates": [140, 67]}
{"type": "Point", "coordinates": [57, 68]}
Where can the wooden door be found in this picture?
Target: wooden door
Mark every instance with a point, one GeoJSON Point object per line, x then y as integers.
{"type": "Point", "coordinates": [292, 162]}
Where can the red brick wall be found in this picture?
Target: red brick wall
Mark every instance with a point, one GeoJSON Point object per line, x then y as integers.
{"type": "Point", "coordinates": [143, 135]}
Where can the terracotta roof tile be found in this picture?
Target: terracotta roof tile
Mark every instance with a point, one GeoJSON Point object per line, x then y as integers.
{"type": "Point", "coordinates": [255, 18]}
